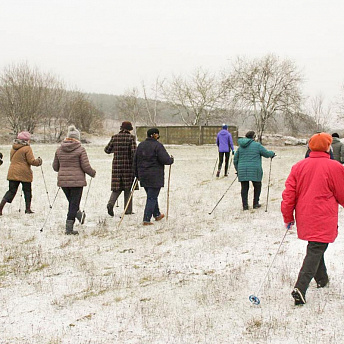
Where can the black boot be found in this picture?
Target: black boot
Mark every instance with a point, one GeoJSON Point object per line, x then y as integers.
{"type": "Point", "coordinates": [110, 209]}
{"type": "Point", "coordinates": [69, 228]}
{"type": "Point", "coordinates": [28, 208]}
{"type": "Point", "coordinates": [81, 215]}
{"type": "Point", "coordinates": [2, 204]}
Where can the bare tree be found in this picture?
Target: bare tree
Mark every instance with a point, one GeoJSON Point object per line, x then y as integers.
{"type": "Point", "coordinates": [23, 91]}
{"type": "Point", "coordinates": [321, 112]}
{"type": "Point", "coordinates": [265, 87]}
{"type": "Point", "coordinates": [196, 98]}
{"type": "Point", "coordinates": [152, 103]}
{"type": "Point", "coordinates": [129, 106]}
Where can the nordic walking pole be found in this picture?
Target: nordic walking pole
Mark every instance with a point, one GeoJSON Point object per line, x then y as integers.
{"type": "Point", "coordinates": [215, 165]}
{"type": "Point", "coordinates": [50, 209]}
{"type": "Point", "coordinates": [267, 196]}
{"type": "Point", "coordinates": [131, 195]}
{"type": "Point", "coordinates": [46, 189]}
{"type": "Point", "coordinates": [223, 195]}
{"type": "Point", "coordinates": [253, 298]}
{"type": "Point", "coordinates": [21, 196]}
{"type": "Point", "coordinates": [89, 187]}
{"type": "Point", "coordinates": [168, 191]}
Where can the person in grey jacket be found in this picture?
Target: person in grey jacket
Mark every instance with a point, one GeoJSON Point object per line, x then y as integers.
{"type": "Point", "coordinates": [149, 164]}
{"type": "Point", "coordinates": [71, 162]}
{"type": "Point", "coordinates": [337, 148]}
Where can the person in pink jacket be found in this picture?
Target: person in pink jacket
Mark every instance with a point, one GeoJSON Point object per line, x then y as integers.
{"type": "Point", "coordinates": [313, 190]}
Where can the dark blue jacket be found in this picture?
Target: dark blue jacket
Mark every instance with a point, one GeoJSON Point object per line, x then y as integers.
{"type": "Point", "coordinates": [149, 162]}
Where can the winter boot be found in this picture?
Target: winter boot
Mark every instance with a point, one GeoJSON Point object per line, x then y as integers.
{"type": "Point", "coordinates": [298, 296]}
{"type": "Point", "coordinates": [28, 208]}
{"type": "Point", "coordinates": [2, 204]}
{"type": "Point", "coordinates": [81, 215]}
{"type": "Point", "coordinates": [110, 209]}
{"type": "Point", "coordinates": [69, 228]}
{"type": "Point", "coordinates": [218, 173]}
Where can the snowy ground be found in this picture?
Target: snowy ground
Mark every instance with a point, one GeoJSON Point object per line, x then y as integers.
{"type": "Point", "coordinates": [185, 280]}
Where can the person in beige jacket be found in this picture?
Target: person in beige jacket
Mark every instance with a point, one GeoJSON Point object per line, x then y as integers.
{"type": "Point", "coordinates": [71, 162]}
{"type": "Point", "coordinates": [22, 159]}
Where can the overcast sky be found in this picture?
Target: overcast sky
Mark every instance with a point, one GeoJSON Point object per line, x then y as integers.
{"type": "Point", "coordinates": [108, 46]}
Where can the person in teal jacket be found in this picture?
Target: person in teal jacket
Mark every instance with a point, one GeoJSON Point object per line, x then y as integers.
{"type": "Point", "coordinates": [248, 164]}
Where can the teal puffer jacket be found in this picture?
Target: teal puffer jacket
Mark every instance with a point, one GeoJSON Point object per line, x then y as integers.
{"type": "Point", "coordinates": [248, 160]}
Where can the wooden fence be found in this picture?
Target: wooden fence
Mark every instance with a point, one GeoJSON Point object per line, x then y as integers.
{"type": "Point", "coordinates": [194, 135]}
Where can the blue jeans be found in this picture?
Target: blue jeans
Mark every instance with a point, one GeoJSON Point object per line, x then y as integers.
{"type": "Point", "coordinates": [152, 206]}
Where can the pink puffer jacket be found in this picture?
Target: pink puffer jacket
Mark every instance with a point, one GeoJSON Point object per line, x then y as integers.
{"type": "Point", "coordinates": [71, 163]}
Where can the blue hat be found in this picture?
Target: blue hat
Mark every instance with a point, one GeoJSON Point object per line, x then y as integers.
{"type": "Point", "coordinates": [224, 126]}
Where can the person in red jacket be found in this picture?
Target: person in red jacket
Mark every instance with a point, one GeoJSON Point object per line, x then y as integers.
{"type": "Point", "coordinates": [313, 190]}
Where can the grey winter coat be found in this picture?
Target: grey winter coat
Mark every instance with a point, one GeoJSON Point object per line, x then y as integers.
{"type": "Point", "coordinates": [338, 149]}
{"type": "Point", "coordinates": [71, 163]}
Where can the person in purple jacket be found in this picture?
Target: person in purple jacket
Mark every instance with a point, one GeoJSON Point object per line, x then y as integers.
{"type": "Point", "coordinates": [225, 143]}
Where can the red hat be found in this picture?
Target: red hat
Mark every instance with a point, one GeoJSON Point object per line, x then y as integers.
{"type": "Point", "coordinates": [320, 142]}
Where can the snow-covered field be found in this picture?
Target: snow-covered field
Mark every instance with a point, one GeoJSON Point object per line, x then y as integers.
{"type": "Point", "coordinates": [185, 280]}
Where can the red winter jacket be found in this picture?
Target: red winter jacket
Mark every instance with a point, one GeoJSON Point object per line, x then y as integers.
{"type": "Point", "coordinates": [314, 188]}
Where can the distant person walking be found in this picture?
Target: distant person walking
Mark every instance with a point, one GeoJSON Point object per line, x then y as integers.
{"type": "Point", "coordinates": [224, 142]}
{"type": "Point", "coordinates": [248, 164]}
{"type": "Point", "coordinates": [71, 162]}
{"type": "Point", "coordinates": [123, 147]}
{"type": "Point", "coordinates": [313, 190]}
{"type": "Point", "coordinates": [337, 148]}
{"type": "Point", "coordinates": [149, 164]}
{"type": "Point", "coordinates": [22, 158]}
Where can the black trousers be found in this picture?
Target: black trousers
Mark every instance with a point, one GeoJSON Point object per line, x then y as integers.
{"type": "Point", "coordinates": [74, 197]}
{"type": "Point", "coordinates": [245, 186]}
{"type": "Point", "coordinates": [13, 188]}
{"type": "Point", "coordinates": [115, 195]}
{"type": "Point", "coordinates": [221, 154]}
{"type": "Point", "coordinates": [313, 266]}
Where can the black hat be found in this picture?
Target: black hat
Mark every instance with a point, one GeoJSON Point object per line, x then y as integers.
{"type": "Point", "coordinates": [152, 131]}
{"type": "Point", "coordinates": [335, 135]}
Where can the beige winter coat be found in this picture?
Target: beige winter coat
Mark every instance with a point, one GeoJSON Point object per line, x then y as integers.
{"type": "Point", "coordinates": [22, 158]}
{"type": "Point", "coordinates": [71, 163]}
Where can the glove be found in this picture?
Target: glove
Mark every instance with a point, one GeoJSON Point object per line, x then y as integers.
{"type": "Point", "coordinates": [40, 161]}
{"type": "Point", "coordinates": [233, 152]}
{"type": "Point", "coordinates": [289, 225]}
{"type": "Point", "coordinates": [273, 156]}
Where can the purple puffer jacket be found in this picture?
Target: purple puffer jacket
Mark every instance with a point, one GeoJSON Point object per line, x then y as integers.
{"type": "Point", "coordinates": [71, 163]}
{"type": "Point", "coordinates": [224, 141]}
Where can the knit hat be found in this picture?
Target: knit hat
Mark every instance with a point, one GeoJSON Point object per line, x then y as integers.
{"type": "Point", "coordinates": [224, 126]}
{"type": "Point", "coordinates": [320, 142]}
{"type": "Point", "coordinates": [73, 133]}
{"type": "Point", "coordinates": [152, 131]}
{"type": "Point", "coordinates": [24, 135]}
{"type": "Point", "coordinates": [126, 125]}
{"type": "Point", "coordinates": [250, 134]}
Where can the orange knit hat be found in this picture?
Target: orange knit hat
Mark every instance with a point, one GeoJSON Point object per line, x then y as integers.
{"type": "Point", "coordinates": [320, 142]}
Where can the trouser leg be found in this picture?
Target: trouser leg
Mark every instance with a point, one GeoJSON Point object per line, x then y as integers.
{"type": "Point", "coordinates": [226, 162]}
{"type": "Point", "coordinates": [12, 190]}
{"type": "Point", "coordinates": [310, 267]}
{"type": "Point", "coordinates": [74, 197]}
{"type": "Point", "coordinates": [126, 198]}
{"type": "Point", "coordinates": [113, 197]}
{"type": "Point", "coordinates": [244, 193]}
{"type": "Point", "coordinates": [27, 194]}
{"type": "Point", "coordinates": [256, 193]}
{"type": "Point", "coordinates": [221, 154]}
{"type": "Point", "coordinates": [152, 206]}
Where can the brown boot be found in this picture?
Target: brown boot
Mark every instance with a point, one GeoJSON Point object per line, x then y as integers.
{"type": "Point", "coordinates": [2, 204]}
